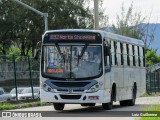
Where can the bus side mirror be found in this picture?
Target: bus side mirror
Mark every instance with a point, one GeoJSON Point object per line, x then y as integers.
{"type": "Point", "coordinates": [36, 51]}
{"type": "Point", "coordinates": [36, 54]}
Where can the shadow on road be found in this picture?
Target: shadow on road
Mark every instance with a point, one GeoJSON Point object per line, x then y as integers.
{"type": "Point", "coordinates": [117, 108]}
{"type": "Point", "coordinates": [97, 111]}
{"type": "Point", "coordinates": [91, 109]}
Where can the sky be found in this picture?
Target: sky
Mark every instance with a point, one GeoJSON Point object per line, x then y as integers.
{"type": "Point", "coordinates": [146, 7]}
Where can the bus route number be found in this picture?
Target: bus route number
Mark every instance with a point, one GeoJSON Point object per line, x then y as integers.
{"type": "Point", "coordinates": [54, 70]}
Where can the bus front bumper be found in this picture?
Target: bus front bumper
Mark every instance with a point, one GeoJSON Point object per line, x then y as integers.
{"type": "Point", "coordinates": [95, 97]}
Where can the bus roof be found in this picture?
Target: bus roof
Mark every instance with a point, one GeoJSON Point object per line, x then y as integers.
{"type": "Point", "coordinates": [124, 39]}
{"type": "Point", "coordinates": [73, 30]}
{"type": "Point", "coordinates": [105, 34]}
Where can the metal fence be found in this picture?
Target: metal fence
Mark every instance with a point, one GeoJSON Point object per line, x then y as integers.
{"type": "Point", "coordinates": [23, 71]}
{"type": "Point", "coordinates": [18, 71]}
{"type": "Point", "coordinates": [153, 82]}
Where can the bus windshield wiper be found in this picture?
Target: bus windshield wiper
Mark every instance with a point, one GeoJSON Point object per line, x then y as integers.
{"type": "Point", "coordinates": [82, 53]}
{"type": "Point", "coordinates": [59, 50]}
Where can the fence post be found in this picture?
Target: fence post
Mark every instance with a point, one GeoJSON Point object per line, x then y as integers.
{"type": "Point", "coordinates": [150, 82]}
{"type": "Point", "coordinates": [30, 74]}
{"type": "Point", "coordinates": [158, 83]}
{"type": "Point", "coordinates": [15, 77]}
{"type": "Point", "coordinates": [155, 82]}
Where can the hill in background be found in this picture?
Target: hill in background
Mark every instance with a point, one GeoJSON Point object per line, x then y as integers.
{"type": "Point", "coordinates": [155, 44]}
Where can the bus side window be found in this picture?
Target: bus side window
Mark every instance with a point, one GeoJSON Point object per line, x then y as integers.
{"type": "Point", "coordinates": [136, 55]}
{"type": "Point", "coordinates": [125, 53]}
{"type": "Point", "coordinates": [134, 64]}
{"type": "Point", "coordinates": [115, 52]}
{"type": "Point", "coordinates": [131, 55]}
{"type": "Point", "coordinates": [141, 56]}
{"type": "Point", "coordinates": [121, 47]}
{"type": "Point", "coordinates": [112, 53]}
{"type": "Point", "coordinates": [128, 60]}
{"type": "Point", "coordinates": [107, 56]}
{"type": "Point", "coordinates": [118, 54]}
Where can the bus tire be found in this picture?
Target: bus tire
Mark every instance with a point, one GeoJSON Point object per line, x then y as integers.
{"type": "Point", "coordinates": [133, 100]}
{"type": "Point", "coordinates": [92, 104]}
{"type": "Point", "coordinates": [84, 104]}
{"type": "Point", "coordinates": [88, 104]}
{"type": "Point", "coordinates": [107, 106]}
{"type": "Point", "coordinates": [58, 106]}
{"type": "Point", "coordinates": [123, 103]}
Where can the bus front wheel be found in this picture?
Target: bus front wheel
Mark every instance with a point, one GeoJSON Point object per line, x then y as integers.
{"type": "Point", "coordinates": [107, 106]}
{"type": "Point", "coordinates": [58, 106]}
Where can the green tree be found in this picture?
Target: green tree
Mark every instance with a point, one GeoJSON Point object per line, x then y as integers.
{"type": "Point", "coordinates": [6, 27]}
{"type": "Point", "coordinates": [24, 28]}
{"type": "Point", "coordinates": [151, 57]}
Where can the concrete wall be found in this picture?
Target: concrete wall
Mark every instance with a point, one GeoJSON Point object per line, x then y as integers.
{"type": "Point", "coordinates": [22, 71]}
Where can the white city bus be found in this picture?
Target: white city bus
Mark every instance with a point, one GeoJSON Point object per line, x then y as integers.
{"type": "Point", "coordinates": [91, 66]}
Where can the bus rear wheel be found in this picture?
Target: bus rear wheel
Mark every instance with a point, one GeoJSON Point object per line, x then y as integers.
{"type": "Point", "coordinates": [133, 100]}
{"type": "Point", "coordinates": [58, 106]}
{"type": "Point", "coordinates": [123, 103]}
{"type": "Point", "coordinates": [130, 102]}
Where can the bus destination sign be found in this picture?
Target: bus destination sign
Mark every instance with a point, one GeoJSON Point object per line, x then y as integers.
{"type": "Point", "coordinates": [72, 37]}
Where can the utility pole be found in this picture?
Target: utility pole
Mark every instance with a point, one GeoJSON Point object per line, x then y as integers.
{"type": "Point", "coordinates": [45, 15]}
{"type": "Point", "coordinates": [96, 15]}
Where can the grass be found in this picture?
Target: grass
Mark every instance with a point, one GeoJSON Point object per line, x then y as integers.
{"type": "Point", "coordinates": [153, 94]}
{"type": "Point", "coordinates": [6, 106]}
{"type": "Point", "coordinates": [153, 108]}
{"type": "Point", "coordinates": [9, 106]}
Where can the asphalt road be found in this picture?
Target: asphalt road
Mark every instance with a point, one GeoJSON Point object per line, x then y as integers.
{"type": "Point", "coordinates": [75, 111]}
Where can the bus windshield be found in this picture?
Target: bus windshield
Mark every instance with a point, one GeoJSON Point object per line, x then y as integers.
{"type": "Point", "coordinates": [72, 62]}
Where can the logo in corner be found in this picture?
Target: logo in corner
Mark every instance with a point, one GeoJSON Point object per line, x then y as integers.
{"type": "Point", "coordinates": [6, 114]}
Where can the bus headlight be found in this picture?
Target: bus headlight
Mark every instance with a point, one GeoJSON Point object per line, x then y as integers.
{"type": "Point", "coordinates": [47, 88]}
{"type": "Point", "coordinates": [94, 88]}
